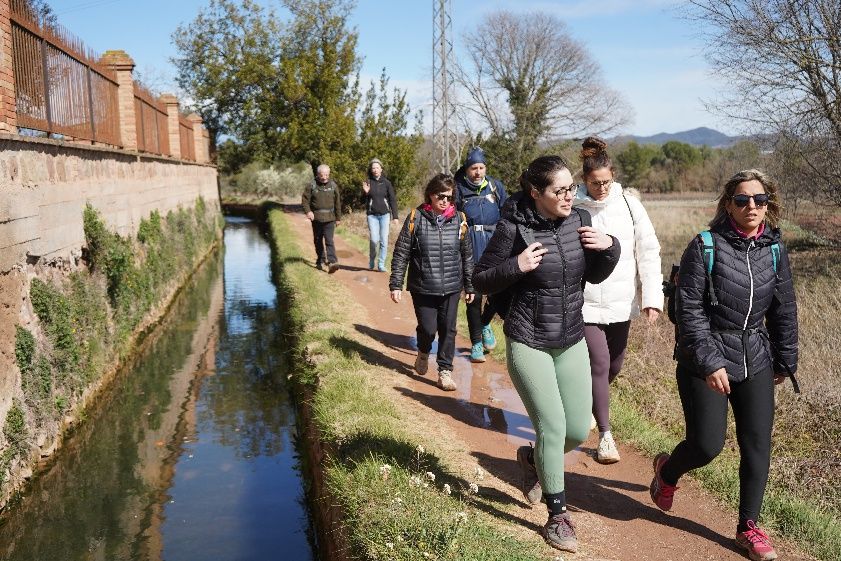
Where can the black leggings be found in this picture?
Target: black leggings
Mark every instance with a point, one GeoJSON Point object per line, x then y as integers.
{"type": "Point", "coordinates": [705, 412]}
{"type": "Point", "coordinates": [478, 318]}
{"type": "Point", "coordinates": [606, 344]}
{"type": "Point", "coordinates": [437, 313]}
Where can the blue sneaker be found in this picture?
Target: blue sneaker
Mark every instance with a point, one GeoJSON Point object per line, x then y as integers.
{"type": "Point", "coordinates": [488, 339]}
{"type": "Point", "coordinates": [477, 353]}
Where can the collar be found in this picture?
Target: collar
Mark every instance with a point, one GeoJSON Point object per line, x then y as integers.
{"type": "Point", "coordinates": [742, 234]}
{"type": "Point", "coordinates": [449, 212]}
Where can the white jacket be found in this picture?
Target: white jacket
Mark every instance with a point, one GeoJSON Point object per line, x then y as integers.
{"type": "Point", "coordinates": [618, 297]}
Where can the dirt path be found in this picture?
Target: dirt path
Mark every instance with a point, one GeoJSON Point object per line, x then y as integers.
{"type": "Point", "coordinates": [611, 507]}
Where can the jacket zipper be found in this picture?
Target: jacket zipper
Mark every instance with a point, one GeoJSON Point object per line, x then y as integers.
{"type": "Point", "coordinates": [563, 281]}
{"type": "Point", "coordinates": [750, 308]}
{"type": "Point", "coordinates": [441, 253]}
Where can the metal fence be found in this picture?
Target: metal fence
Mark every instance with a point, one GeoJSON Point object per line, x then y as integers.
{"type": "Point", "coordinates": [60, 88]}
{"type": "Point", "coordinates": [151, 120]}
{"type": "Point", "coordinates": [188, 146]}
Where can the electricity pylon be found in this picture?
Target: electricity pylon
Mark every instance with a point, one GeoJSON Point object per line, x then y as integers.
{"type": "Point", "coordinates": [444, 136]}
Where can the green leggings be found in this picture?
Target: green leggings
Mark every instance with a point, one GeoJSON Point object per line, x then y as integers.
{"type": "Point", "coordinates": [555, 387]}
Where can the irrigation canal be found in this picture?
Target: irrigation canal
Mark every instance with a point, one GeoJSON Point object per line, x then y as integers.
{"type": "Point", "coordinates": [189, 454]}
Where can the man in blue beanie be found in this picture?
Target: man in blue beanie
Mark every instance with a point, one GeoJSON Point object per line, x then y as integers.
{"type": "Point", "coordinates": [480, 197]}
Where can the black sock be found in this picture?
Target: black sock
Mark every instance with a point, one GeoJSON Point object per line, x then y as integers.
{"type": "Point", "coordinates": [556, 502]}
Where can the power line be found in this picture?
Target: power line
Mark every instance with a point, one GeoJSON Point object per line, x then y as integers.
{"type": "Point", "coordinates": [86, 6]}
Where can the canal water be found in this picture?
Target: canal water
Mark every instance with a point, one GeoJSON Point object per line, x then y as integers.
{"type": "Point", "coordinates": [190, 452]}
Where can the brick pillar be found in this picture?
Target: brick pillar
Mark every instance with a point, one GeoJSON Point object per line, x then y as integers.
{"type": "Point", "coordinates": [123, 66]}
{"type": "Point", "coordinates": [199, 139]}
{"type": "Point", "coordinates": [8, 105]}
{"type": "Point", "coordinates": [171, 103]}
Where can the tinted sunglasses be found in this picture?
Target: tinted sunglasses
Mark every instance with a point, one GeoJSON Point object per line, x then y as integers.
{"type": "Point", "coordinates": [741, 200]}
{"type": "Point", "coordinates": [443, 197]}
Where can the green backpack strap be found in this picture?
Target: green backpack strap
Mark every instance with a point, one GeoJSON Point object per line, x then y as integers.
{"type": "Point", "coordinates": [775, 255]}
{"type": "Point", "coordinates": [709, 259]}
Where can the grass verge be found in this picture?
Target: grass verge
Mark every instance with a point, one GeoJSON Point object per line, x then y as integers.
{"type": "Point", "coordinates": [397, 500]}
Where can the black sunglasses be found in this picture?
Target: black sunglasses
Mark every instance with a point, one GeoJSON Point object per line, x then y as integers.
{"type": "Point", "coordinates": [443, 197]}
{"type": "Point", "coordinates": [741, 200]}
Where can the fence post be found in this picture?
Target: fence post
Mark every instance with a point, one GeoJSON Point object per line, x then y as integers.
{"type": "Point", "coordinates": [123, 66]}
{"type": "Point", "coordinates": [8, 103]}
{"type": "Point", "coordinates": [171, 103]}
{"type": "Point", "coordinates": [200, 146]}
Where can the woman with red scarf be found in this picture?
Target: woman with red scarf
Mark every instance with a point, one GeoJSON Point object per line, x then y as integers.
{"type": "Point", "coordinates": [439, 256]}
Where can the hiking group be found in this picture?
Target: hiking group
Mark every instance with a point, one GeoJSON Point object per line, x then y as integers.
{"type": "Point", "coordinates": [567, 266]}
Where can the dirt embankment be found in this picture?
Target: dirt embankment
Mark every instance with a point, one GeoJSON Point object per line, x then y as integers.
{"type": "Point", "coordinates": [484, 422]}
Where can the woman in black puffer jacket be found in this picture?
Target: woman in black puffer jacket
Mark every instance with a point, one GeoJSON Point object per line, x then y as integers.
{"type": "Point", "coordinates": [380, 206]}
{"type": "Point", "coordinates": [737, 338]}
{"type": "Point", "coordinates": [540, 254]}
{"type": "Point", "coordinates": [434, 246]}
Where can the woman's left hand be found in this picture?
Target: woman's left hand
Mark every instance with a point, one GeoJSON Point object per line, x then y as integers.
{"type": "Point", "coordinates": [593, 239]}
{"type": "Point", "coordinates": [651, 314]}
{"type": "Point", "coordinates": [779, 379]}
{"type": "Point", "coordinates": [468, 297]}
{"type": "Point", "coordinates": [394, 221]}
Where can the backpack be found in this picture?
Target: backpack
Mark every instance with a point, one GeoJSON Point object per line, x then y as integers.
{"type": "Point", "coordinates": [462, 229]}
{"type": "Point", "coordinates": [501, 301]}
{"type": "Point", "coordinates": [708, 243]}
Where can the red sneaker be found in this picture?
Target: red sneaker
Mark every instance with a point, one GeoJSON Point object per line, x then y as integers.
{"type": "Point", "coordinates": [756, 543]}
{"type": "Point", "coordinates": [661, 492]}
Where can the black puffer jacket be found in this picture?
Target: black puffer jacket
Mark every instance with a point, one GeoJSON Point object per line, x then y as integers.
{"type": "Point", "coordinates": [439, 259]}
{"type": "Point", "coordinates": [380, 199]}
{"type": "Point", "coordinates": [753, 329]}
{"type": "Point", "coordinates": [546, 306]}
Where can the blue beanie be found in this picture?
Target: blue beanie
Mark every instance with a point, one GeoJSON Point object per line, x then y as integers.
{"type": "Point", "coordinates": [475, 156]}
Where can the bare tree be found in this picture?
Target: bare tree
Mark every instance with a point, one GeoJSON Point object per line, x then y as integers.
{"type": "Point", "coordinates": [781, 61]}
{"type": "Point", "coordinates": [529, 81]}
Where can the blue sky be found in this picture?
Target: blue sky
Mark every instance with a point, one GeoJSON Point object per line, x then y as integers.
{"type": "Point", "coordinates": [646, 51]}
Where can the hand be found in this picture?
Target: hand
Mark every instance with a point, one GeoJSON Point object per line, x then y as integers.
{"type": "Point", "coordinates": [779, 379]}
{"type": "Point", "coordinates": [593, 239]}
{"type": "Point", "coordinates": [469, 297]}
{"type": "Point", "coordinates": [366, 187]}
{"type": "Point", "coordinates": [651, 315]}
{"type": "Point", "coordinates": [310, 216]}
{"type": "Point", "coordinates": [396, 296]}
{"type": "Point", "coordinates": [718, 382]}
{"type": "Point", "coordinates": [531, 257]}
{"type": "Point", "coordinates": [394, 221]}
{"type": "Point", "coordinates": [338, 222]}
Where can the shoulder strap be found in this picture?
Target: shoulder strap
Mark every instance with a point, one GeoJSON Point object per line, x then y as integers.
{"type": "Point", "coordinates": [708, 243]}
{"type": "Point", "coordinates": [462, 227]}
{"type": "Point", "coordinates": [526, 233]}
{"type": "Point", "coordinates": [412, 222]}
{"type": "Point", "coordinates": [586, 219]}
{"type": "Point", "coordinates": [775, 255]}
{"type": "Point", "coordinates": [631, 212]}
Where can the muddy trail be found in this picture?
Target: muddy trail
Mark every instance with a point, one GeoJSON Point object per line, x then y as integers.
{"type": "Point", "coordinates": [610, 504]}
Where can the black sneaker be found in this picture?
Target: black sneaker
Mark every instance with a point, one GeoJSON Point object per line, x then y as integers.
{"type": "Point", "coordinates": [319, 266]}
{"type": "Point", "coordinates": [531, 486]}
{"type": "Point", "coordinates": [559, 532]}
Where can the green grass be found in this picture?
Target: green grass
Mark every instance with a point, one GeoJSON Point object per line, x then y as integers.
{"type": "Point", "coordinates": [376, 468]}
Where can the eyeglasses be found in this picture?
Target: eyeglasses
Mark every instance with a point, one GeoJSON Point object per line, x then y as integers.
{"type": "Point", "coordinates": [565, 191]}
{"type": "Point", "coordinates": [443, 197]}
{"type": "Point", "coordinates": [741, 200]}
{"type": "Point", "coordinates": [600, 184]}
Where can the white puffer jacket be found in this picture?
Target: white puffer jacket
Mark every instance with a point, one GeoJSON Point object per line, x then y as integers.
{"type": "Point", "coordinates": [618, 298]}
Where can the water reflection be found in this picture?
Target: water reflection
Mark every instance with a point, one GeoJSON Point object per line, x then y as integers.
{"type": "Point", "coordinates": [189, 454]}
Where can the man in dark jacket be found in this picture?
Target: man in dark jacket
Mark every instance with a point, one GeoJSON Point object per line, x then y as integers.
{"type": "Point", "coordinates": [480, 197]}
{"type": "Point", "coordinates": [323, 206]}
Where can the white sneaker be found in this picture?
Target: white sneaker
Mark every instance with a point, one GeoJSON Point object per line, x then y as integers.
{"type": "Point", "coordinates": [422, 363]}
{"type": "Point", "coordinates": [445, 380]}
{"type": "Point", "coordinates": [607, 453]}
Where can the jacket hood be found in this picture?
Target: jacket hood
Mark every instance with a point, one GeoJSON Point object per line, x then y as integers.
{"type": "Point", "coordinates": [722, 227]}
{"type": "Point", "coordinates": [583, 199]}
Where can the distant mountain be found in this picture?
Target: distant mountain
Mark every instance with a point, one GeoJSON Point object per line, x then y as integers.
{"type": "Point", "coordinates": [697, 137]}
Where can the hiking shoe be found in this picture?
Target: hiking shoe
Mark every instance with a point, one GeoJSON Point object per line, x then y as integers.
{"type": "Point", "coordinates": [319, 266]}
{"type": "Point", "coordinates": [607, 453]}
{"type": "Point", "coordinates": [445, 380]}
{"type": "Point", "coordinates": [332, 268]}
{"type": "Point", "coordinates": [382, 269]}
{"type": "Point", "coordinates": [756, 543]}
{"type": "Point", "coordinates": [488, 338]}
{"type": "Point", "coordinates": [531, 485]}
{"type": "Point", "coordinates": [422, 363]}
{"type": "Point", "coordinates": [661, 492]}
{"type": "Point", "coordinates": [559, 532]}
{"type": "Point", "coordinates": [477, 353]}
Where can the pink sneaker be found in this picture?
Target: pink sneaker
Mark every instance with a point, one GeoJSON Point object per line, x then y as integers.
{"type": "Point", "coordinates": [661, 492]}
{"type": "Point", "coordinates": [756, 543]}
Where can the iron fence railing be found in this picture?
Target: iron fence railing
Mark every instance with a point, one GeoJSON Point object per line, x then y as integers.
{"type": "Point", "coordinates": [151, 120]}
{"type": "Point", "coordinates": [188, 146]}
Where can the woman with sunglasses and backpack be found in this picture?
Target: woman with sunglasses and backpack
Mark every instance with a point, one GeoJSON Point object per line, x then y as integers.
{"type": "Point", "coordinates": [540, 253]}
{"type": "Point", "coordinates": [433, 244]}
{"type": "Point", "coordinates": [636, 283]}
{"type": "Point", "coordinates": [736, 320]}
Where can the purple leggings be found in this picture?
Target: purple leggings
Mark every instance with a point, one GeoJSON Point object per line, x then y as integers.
{"type": "Point", "coordinates": [607, 344]}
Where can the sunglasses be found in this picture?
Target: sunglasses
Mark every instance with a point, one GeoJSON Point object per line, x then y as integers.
{"type": "Point", "coordinates": [443, 197]}
{"type": "Point", "coordinates": [741, 200]}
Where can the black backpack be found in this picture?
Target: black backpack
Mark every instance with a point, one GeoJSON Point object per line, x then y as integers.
{"type": "Point", "coordinates": [501, 301]}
